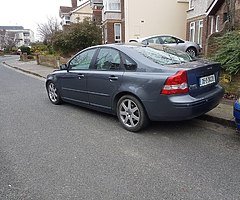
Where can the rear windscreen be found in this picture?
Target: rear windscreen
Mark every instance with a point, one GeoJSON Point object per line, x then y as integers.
{"type": "Point", "coordinates": [164, 55]}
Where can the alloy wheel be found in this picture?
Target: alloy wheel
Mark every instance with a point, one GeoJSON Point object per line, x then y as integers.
{"type": "Point", "coordinates": [191, 52]}
{"type": "Point", "coordinates": [52, 91]}
{"type": "Point", "coordinates": [129, 113]}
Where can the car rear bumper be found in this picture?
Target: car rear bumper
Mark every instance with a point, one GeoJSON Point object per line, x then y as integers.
{"type": "Point", "coordinates": [183, 107]}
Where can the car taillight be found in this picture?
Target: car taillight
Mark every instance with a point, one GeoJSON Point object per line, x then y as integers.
{"type": "Point", "coordinates": [176, 84]}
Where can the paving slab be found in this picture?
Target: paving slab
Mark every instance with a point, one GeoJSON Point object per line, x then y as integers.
{"type": "Point", "coordinates": [30, 67]}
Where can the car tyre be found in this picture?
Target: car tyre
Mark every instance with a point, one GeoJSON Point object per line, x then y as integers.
{"type": "Point", "coordinates": [53, 93]}
{"type": "Point", "coordinates": [131, 113]}
{"type": "Point", "coordinates": [192, 51]}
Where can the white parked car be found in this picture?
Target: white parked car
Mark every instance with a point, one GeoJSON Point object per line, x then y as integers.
{"type": "Point", "coordinates": [190, 47]}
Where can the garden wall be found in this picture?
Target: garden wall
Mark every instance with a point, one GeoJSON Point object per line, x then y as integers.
{"type": "Point", "coordinates": [51, 61]}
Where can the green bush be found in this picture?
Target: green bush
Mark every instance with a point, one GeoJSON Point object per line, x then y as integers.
{"type": "Point", "coordinates": [76, 37]}
{"type": "Point", "coordinates": [41, 48]}
{"type": "Point", "coordinates": [228, 53]}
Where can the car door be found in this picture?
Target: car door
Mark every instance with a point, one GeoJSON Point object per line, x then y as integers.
{"type": "Point", "coordinates": [152, 40]}
{"type": "Point", "coordinates": [172, 42]}
{"type": "Point", "coordinates": [74, 82]}
{"type": "Point", "coordinates": [106, 78]}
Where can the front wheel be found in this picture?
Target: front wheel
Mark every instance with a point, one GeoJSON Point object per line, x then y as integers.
{"type": "Point", "coordinates": [131, 113]}
{"type": "Point", "coordinates": [192, 51]}
{"type": "Point", "coordinates": [53, 93]}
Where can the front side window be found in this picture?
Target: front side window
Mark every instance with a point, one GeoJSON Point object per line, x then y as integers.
{"type": "Point", "coordinates": [82, 61]}
{"type": "Point", "coordinates": [117, 32]}
{"type": "Point", "coordinates": [108, 59]}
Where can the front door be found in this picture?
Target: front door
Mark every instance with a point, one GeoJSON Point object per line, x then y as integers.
{"type": "Point", "coordinates": [173, 42]}
{"type": "Point", "coordinates": [74, 82]}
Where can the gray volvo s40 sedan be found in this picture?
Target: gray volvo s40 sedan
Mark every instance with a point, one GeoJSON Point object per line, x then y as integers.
{"type": "Point", "coordinates": [137, 83]}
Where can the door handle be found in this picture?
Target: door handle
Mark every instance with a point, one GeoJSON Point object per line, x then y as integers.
{"type": "Point", "coordinates": [80, 76]}
{"type": "Point", "coordinates": [113, 78]}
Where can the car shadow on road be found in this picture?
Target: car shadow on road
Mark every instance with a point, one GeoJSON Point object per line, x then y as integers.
{"type": "Point", "coordinates": [153, 128]}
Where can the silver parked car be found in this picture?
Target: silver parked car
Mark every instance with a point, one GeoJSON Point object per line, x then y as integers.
{"type": "Point", "coordinates": [190, 47]}
{"type": "Point", "coordinates": [137, 83]}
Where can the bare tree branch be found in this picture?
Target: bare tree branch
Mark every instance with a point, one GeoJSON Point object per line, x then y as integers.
{"type": "Point", "coordinates": [47, 30]}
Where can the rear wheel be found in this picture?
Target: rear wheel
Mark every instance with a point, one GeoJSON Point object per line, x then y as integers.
{"type": "Point", "coordinates": [131, 113]}
{"type": "Point", "coordinates": [53, 93]}
{"type": "Point", "coordinates": [192, 51]}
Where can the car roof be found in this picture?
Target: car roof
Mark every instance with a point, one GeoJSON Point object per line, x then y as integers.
{"type": "Point", "coordinates": [119, 46]}
{"type": "Point", "coordinates": [151, 36]}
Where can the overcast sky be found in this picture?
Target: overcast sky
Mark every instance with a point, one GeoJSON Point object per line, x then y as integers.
{"type": "Point", "coordinates": [29, 13]}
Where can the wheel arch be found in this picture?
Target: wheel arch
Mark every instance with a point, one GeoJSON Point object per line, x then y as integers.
{"type": "Point", "coordinates": [192, 47]}
{"type": "Point", "coordinates": [123, 93]}
{"type": "Point", "coordinates": [50, 79]}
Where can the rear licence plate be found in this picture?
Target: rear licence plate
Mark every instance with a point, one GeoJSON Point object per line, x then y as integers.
{"type": "Point", "coordinates": [206, 80]}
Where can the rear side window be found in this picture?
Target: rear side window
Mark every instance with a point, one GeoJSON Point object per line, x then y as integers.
{"type": "Point", "coordinates": [108, 59]}
{"type": "Point", "coordinates": [129, 64]}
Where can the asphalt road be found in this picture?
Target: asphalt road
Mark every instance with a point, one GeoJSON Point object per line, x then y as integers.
{"type": "Point", "coordinates": [67, 152]}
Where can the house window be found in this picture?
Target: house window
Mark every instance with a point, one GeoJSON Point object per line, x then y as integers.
{"type": "Point", "coordinates": [113, 5]}
{"type": "Point", "coordinates": [191, 4]}
{"type": "Point", "coordinates": [217, 23]}
{"type": "Point", "coordinates": [117, 32]}
{"type": "Point", "coordinates": [225, 17]}
{"type": "Point", "coordinates": [192, 32]}
{"type": "Point", "coordinates": [200, 32]}
{"type": "Point", "coordinates": [67, 17]}
{"type": "Point", "coordinates": [105, 35]}
{"type": "Point", "coordinates": [26, 34]}
{"type": "Point", "coordinates": [212, 24]}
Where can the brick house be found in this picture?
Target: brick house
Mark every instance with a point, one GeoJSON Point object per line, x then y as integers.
{"type": "Point", "coordinates": [206, 17]}
{"type": "Point", "coordinates": [83, 11]}
{"type": "Point", "coordinates": [65, 13]}
{"type": "Point", "coordinates": [123, 20]}
{"type": "Point", "coordinates": [113, 21]}
{"type": "Point", "coordinates": [80, 10]}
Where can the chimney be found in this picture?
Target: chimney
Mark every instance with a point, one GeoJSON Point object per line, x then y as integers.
{"type": "Point", "coordinates": [74, 3]}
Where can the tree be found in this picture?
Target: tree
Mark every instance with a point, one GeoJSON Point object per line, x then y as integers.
{"type": "Point", "coordinates": [48, 30]}
{"type": "Point", "coordinates": [76, 37]}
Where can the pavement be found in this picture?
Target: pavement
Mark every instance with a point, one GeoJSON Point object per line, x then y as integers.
{"type": "Point", "coordinates": [222, 114]}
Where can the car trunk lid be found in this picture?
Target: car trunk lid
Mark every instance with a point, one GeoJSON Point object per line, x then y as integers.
{"type": "Point", "coordinates": [202, 76]}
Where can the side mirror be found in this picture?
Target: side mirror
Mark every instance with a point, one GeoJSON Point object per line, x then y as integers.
{"type": "Point", "coordinates": [63, 67]}
{"type": "Point", "coordinates": [130, 66]}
